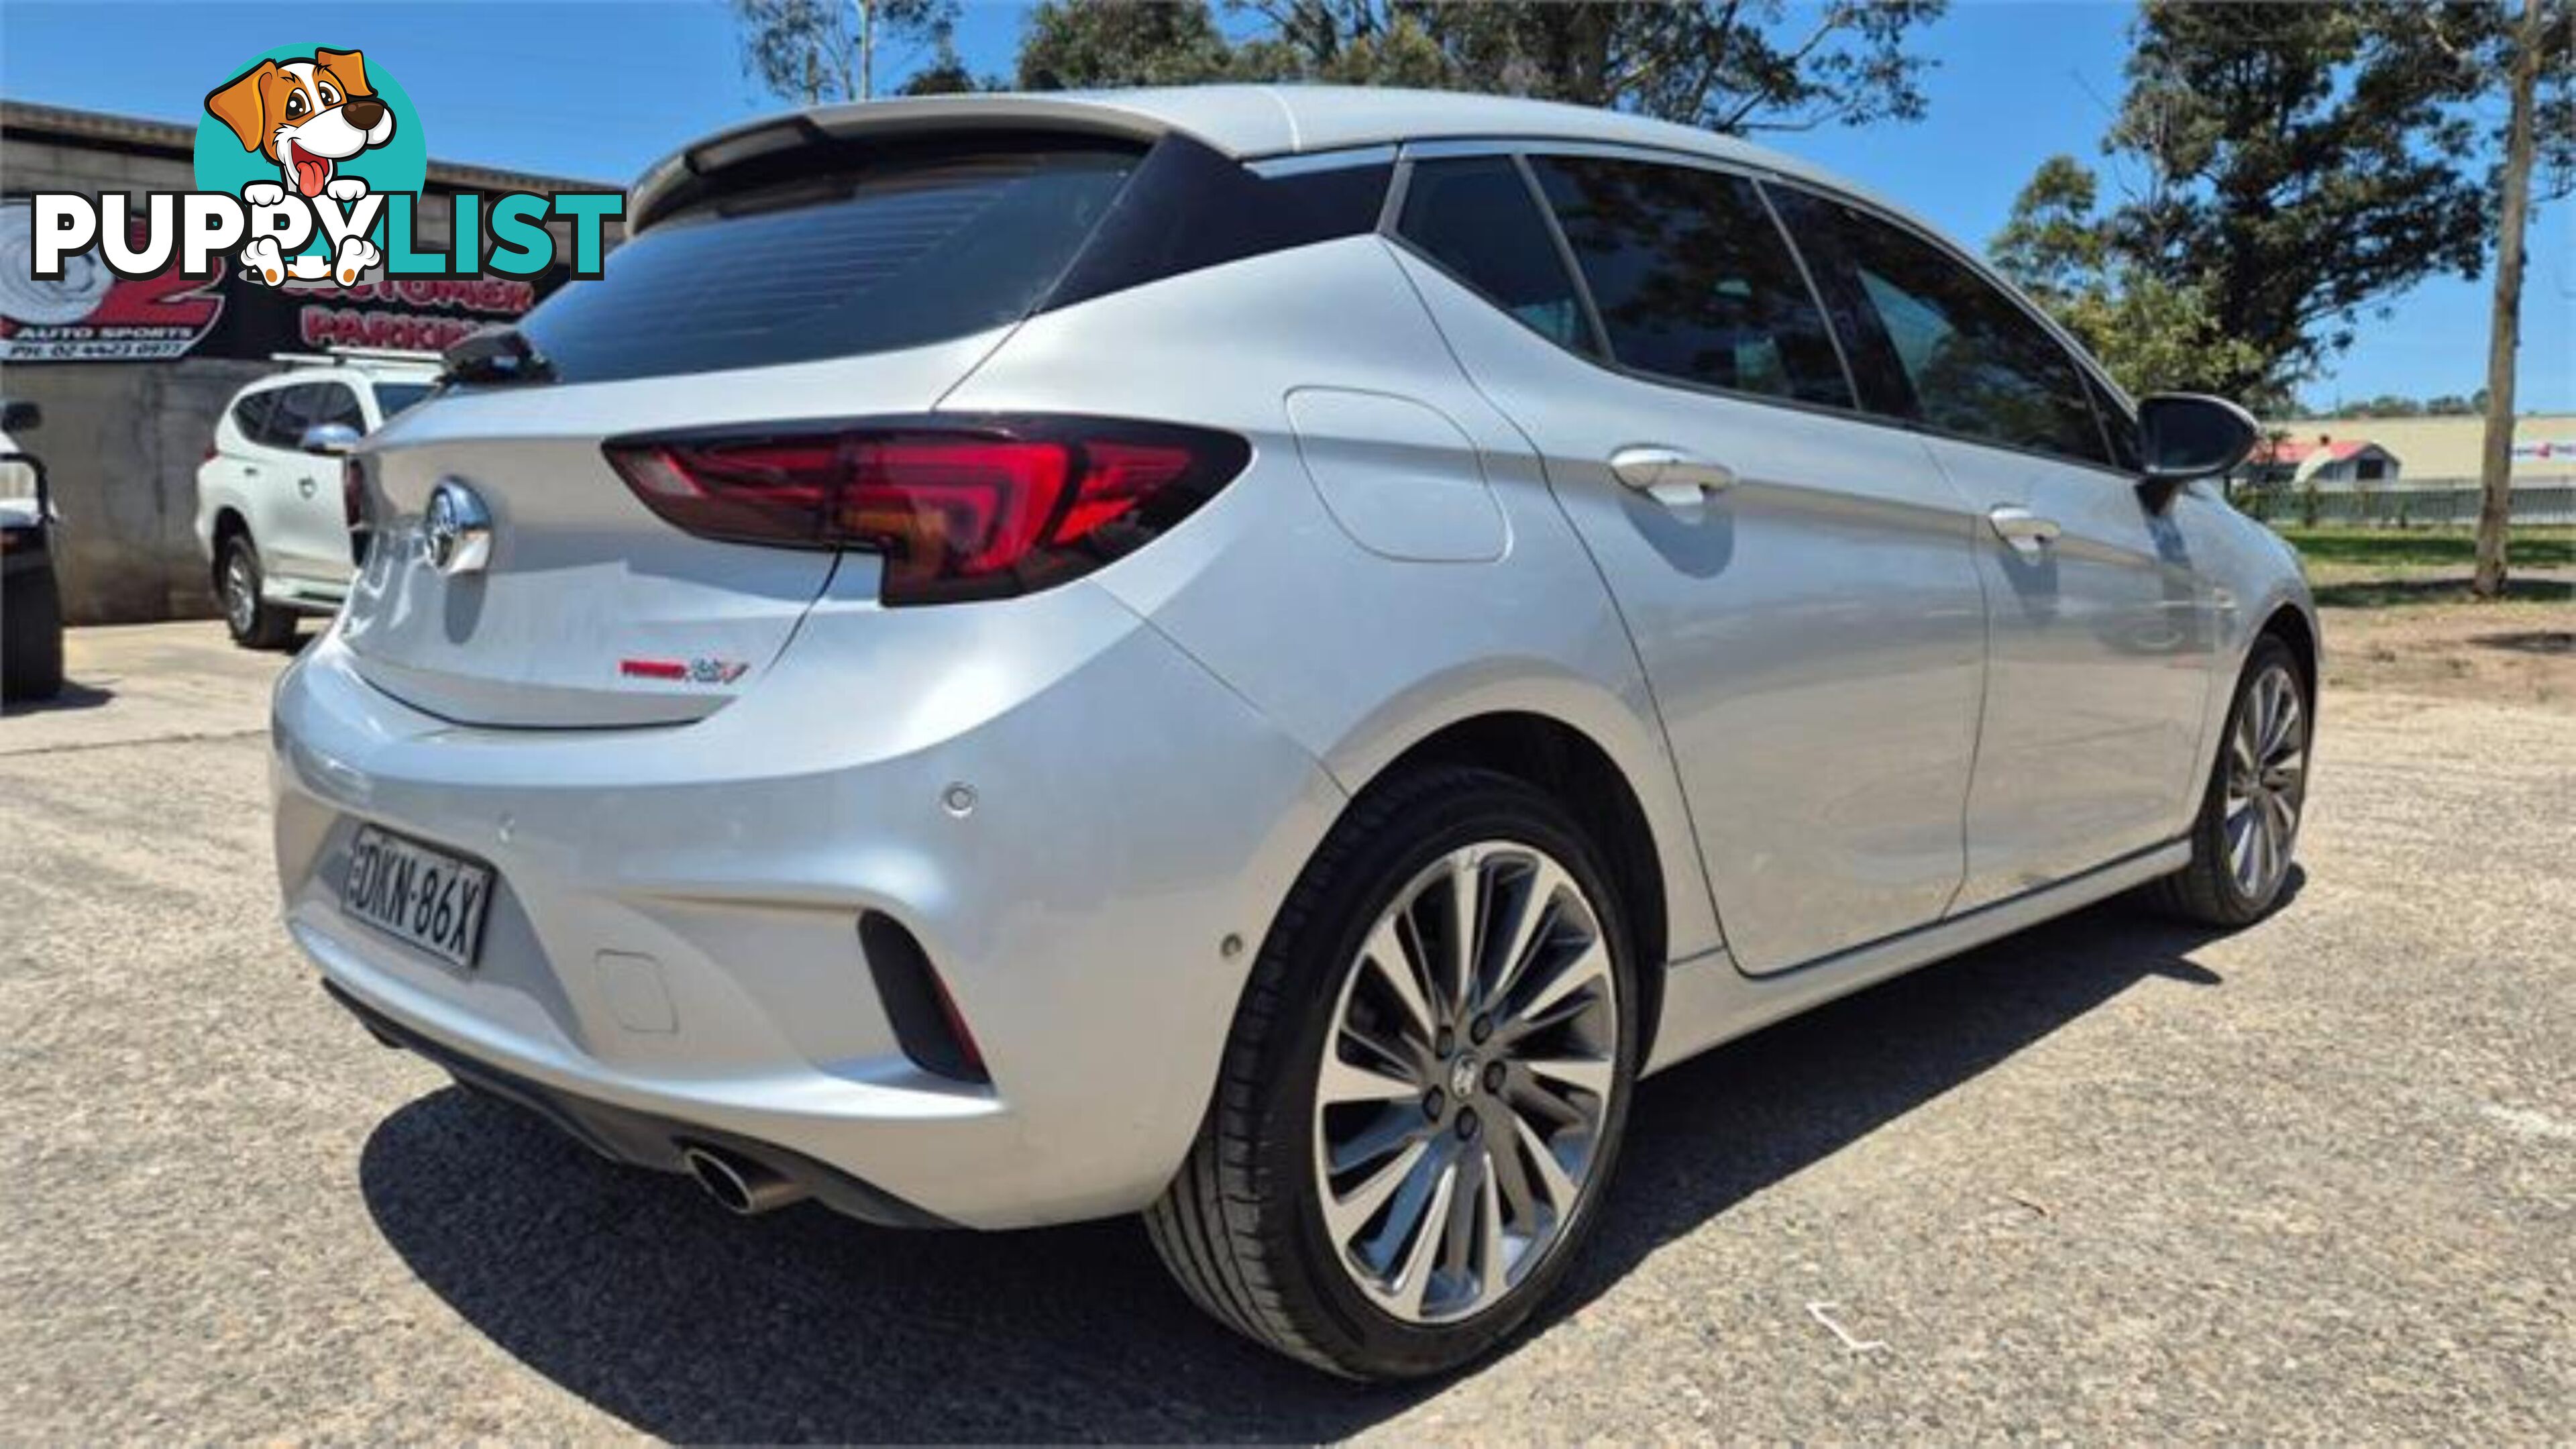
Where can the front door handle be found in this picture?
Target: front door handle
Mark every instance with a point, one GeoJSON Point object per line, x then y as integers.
{"type": "Point", "coordinates": [1670, 476]}
{"type": "Point", "coordinates": [305, 486]}
{"type": "Point", "coordinates": [2027, 532]}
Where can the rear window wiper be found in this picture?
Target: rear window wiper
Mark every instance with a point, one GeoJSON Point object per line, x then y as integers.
{"type": "Point", "coordinates": [495, 354]}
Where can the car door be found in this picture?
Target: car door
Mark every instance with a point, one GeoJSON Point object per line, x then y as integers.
{"type": "Point", "coordinates": [1799, 583]}
{"type": "Point", "coordinates": [2103, 630]}
{"type": "Point", "coordinates": [310, 527]}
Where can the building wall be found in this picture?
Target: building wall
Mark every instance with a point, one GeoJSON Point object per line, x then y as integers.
{"type": "Point", "coordinates": [2448, 449]}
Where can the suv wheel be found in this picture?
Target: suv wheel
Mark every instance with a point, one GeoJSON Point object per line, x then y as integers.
{"type": "Point", "coordinates": [253, 621]}
{"type": "Point", "coordinates": [1425, 1088]}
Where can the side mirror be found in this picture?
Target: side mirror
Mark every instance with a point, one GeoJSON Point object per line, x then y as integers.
{"type": "Point", "coordinates": [331, 439]}
{"type": "Point", "coordinates": [2186, 435]}
{"type": "Point", "coordinates": [19, 416]}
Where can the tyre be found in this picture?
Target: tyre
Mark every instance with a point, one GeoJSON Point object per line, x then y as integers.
{"type": "Point", "coordinates": [253, 621]}
{"type": "Point", "coordinates": [2248, 825]}
{"type": "Point", "coordinates": [1425, 1089]}
{"type": "Point", "coordinates": [31, 636]}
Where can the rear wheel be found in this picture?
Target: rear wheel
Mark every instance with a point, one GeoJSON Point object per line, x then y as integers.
{"type": "Point", "coordinates": [1425, 1089]}
{"type": "Point", "coordinates": [2258, 789]}
{"type": "Point", "coordinates": [31, 636]}
{"type": "Point", "coordinates": [253, 621]}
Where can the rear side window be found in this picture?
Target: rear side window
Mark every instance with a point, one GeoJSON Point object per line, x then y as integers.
{"type": "Point", "coordinates": [1692, 278]}
{"type": "Point", "coordinates": [1475, 217]}
{"type": "Point", "coordinates": [1973, 361]}
{"type": "Point", "coordinates": [282, 422]}
{"type": "Point", "coordinates": [251, 415]}
{"type": "Point", "coordinates": [333, 402]}
{"type": "Point", "coordinates": [895, 252]}
{"type": "Point", "coordinates": [1189, 207]}
{"type": "Point", "coordinates": [393, 397]}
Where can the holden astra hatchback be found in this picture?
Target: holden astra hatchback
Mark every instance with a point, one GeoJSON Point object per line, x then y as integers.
{"type": "Point", "coordinates": [1255, 657]}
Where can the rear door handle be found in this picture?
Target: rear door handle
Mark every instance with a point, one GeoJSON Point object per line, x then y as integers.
{"type": "Point", "coordinates": [2027, 532]}
{"type": "Point", "coordinates": [1670, 476]}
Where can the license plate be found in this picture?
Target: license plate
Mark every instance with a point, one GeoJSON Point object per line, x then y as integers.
{"type": "Point", "coordinates": [427, 897]}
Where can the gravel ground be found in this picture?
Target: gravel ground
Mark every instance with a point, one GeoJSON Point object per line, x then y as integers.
{"type": "Point", "coordinates": [2106, 1180]}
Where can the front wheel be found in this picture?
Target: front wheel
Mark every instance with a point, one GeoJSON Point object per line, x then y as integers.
{"type": "Point", "coordinates": [251, 619]}
{"type": "Point", "coordinates": [2250, 811]}
{"type": "Point", "coordinates": [1425, 1089]}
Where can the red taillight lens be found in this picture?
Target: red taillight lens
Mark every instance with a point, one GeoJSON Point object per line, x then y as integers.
{"type": "Point", "coordinates": [353, 493]}
{"type": "Point", "coordinates": [963, 510]}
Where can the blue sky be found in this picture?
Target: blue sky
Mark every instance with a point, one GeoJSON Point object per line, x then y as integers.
{"type": "Point", "coordinates": [597, 90]}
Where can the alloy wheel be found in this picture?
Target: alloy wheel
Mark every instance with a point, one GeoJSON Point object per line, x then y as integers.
{"type": "Point", "coordinates": [1465, 1079]}
{"type": "Point", "coordinates": [2266, 782]}
{"type": "Point", "coordinates": [241, 590]}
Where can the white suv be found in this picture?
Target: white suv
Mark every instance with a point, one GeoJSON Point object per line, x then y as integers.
{"type": "Point", "coordinates": [271, 515]}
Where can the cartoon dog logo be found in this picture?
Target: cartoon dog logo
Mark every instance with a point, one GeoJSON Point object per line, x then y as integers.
{"type": "Point", "coordinates": [307, 116]}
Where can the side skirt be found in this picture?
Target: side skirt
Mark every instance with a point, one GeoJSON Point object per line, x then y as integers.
{"type": "Point", "coordinates": [1708, 1003]}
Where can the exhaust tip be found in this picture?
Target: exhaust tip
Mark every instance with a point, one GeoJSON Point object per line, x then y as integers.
{"type": "Point", "coordinates": [738, 1184]}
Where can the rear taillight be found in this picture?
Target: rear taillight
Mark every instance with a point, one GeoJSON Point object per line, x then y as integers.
{"type": "Point", "coordinates": [353, 492]}
{"type": "Point", "coordinates": [962, 509]}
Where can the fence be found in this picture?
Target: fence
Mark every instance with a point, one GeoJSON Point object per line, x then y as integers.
{"type": "Point", "coordinates": [2413, 503]}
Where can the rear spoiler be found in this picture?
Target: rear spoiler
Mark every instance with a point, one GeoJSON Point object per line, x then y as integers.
{"type": "Point", "coordinates": [701, 168]}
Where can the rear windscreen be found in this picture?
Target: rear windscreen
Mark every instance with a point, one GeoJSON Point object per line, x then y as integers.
{"type": "Point", "coordinates": [898, 254]}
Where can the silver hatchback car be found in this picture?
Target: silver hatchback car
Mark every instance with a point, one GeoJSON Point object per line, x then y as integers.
{"type": "Point", "coordinates": [1255, 656]}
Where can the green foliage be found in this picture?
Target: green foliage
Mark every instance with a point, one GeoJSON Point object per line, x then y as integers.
{"type": "Point", "coordinates": [1068, 44]}
{"type": "Point", "coordinates": [1729, 65]}
{"type": "Point", "coordinates": [2153, 334]}
{"type": "Point", "coordinates": [807, 51]}
{"type": "Point", "coordinates": [2299, 164]}
{"type": "Point", "coordinates": [2538, 547]}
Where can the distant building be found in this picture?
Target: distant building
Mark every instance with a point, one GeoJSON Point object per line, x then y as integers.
{"type": "Point", "coordinates": [2437, 451]}
{"type": "Point", "coordinates": [2323, 461]}
{"type": "Point", "coordinates": [2421, 470]}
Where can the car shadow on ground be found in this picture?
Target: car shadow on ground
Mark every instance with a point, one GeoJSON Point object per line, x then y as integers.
{"type": "Point", "coordinates": [631, 1290]}
{"type": "Point", "coordinates": [72, 696]}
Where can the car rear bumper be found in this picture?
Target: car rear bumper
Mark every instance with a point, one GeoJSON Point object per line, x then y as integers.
{"type": "Point", "coordinates": [672, 949]}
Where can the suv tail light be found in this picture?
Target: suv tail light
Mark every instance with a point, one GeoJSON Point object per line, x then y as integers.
{"type": "Point", "coordinates": [962, 508]}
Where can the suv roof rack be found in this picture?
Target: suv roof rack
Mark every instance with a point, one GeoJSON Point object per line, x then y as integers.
{"type": "Point", "coordinates": [342, 356]}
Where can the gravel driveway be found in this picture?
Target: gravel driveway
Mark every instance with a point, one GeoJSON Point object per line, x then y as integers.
{"type": "Point", "coordinates": [2108, 1179]}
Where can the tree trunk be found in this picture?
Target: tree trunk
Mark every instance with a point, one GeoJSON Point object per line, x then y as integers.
{"type": "Point", "coordinates": [867, 48]}
{"type": "Point", "coordinates": [2495, 472]}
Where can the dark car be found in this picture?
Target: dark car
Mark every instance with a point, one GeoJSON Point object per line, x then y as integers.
{"type": "Point", "coordinates": [31, 607]}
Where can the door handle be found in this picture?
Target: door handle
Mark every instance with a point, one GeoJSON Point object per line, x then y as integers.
{"type": "Point", "coordinates": [305, 486]}
{"type": "Point", "coordinates": [2027, 532]}
{"type": "Point", "coordinates": [1670, 476]}
{"type": "Point", "coordinates": [250, 470]}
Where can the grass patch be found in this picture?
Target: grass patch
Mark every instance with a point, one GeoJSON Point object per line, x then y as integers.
{"type": "Point", "coordinates": [2367, 593]}
{"type": "Point", "coordinates": [2528, 547]}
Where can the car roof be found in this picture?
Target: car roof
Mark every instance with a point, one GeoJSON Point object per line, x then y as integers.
{"type": "Point", "coordinates": [1247, 122]}
{"type": "Point", "coordinates": [368, 372]}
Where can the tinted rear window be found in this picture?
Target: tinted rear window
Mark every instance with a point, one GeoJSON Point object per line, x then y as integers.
{"type": "Point", "coordinates": [898, 253]}
{"type": "Point", "coordinates": [1474, 215]}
